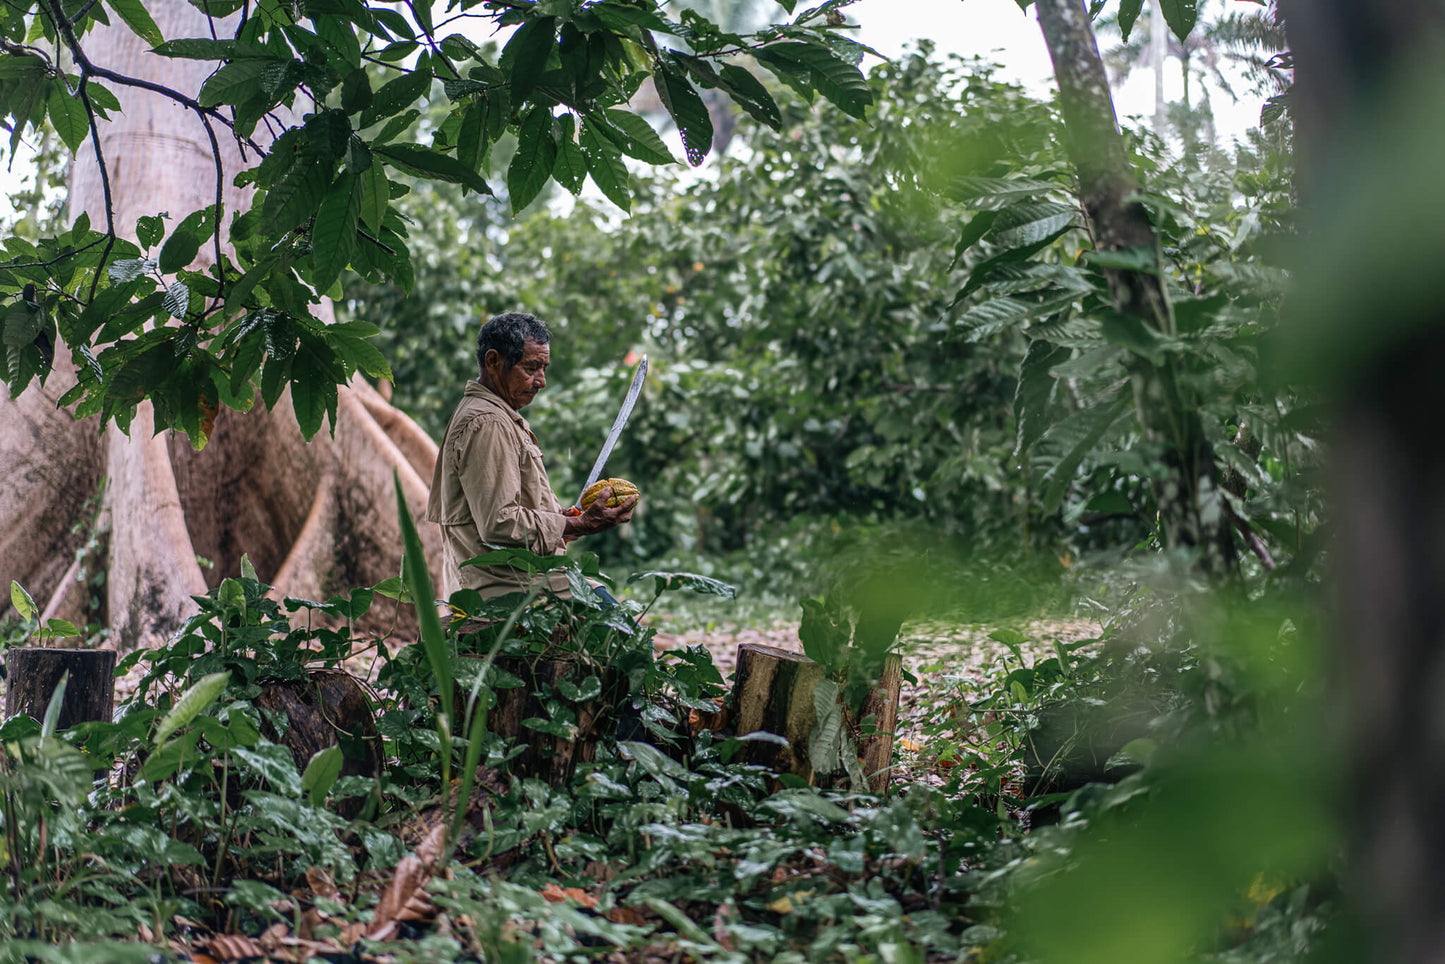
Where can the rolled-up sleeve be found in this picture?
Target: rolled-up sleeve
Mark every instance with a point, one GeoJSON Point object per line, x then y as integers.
{"type": "Point", "coordinates": [495, 481]}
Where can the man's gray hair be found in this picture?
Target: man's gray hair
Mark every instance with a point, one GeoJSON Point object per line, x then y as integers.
{"type": "Point", "coordinates": [508, 333]}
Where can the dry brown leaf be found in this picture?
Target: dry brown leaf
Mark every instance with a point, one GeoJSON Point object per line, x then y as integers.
{"type": "Point", "coordinates": [232, 947]}
{"type": "Point", "coordinates": [720, 932]}
{"type": "Point", "coordinates": [555, 895]}
{"type": "Point", "coordinates": [430, 849]}
{"type": "Point", "coordinates": [404, 899]}
{"type": "Point", "coordinates": [625, 915]}
{"type": "Point", "coordinates": [272, 936]}
{"type": "Point", "coordinates": [321, 883]}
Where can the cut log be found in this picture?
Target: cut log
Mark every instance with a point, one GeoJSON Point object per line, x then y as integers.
{"type": "Point", "coordinates": [35, 671]}
{"type": "Point", "coordinates": [545, 756]}
{"type": "Point", "coordinates": [329, 709]}
{"type": "Point", "coordinates": [773, 693]}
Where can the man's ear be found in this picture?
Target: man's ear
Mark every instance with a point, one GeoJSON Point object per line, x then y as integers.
{"type": "Point", "coordinates": [493, 360]}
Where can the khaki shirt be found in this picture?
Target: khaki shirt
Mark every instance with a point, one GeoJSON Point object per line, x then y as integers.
{"type": "Point", "coordinates": [490, 486]}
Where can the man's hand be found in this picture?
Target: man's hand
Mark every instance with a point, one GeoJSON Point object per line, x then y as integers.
{"type": "Point", "coordinates": [597, 517]}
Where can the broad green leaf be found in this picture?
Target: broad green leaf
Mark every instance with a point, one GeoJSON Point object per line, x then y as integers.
{"type": "Point", "coordinates": [688, 112]}
{"type": "Point", "coordinates": [248, 571]}
{"type": "Point", "coordinates": [333, 233]}
{"type": "Point", "coordinates": [59, 629]}
{"type": "Point", "coordinates": [204, 48]}
{"type": "Point", "coordinates": [418, 160]}
{"type": "Point", "coordinates": [1081, 431]}
{"type": "Point", "coordinates": [396, 95]}
{"type": "Point", "coordinates": [634, 136]}
{"type": "Point", "coordinates": [570, 170]}
{"type": "Point", "coordinates": [1128, 13]}
{"type": "Point", "coordinates": [356, 92]}
{"type": "Point", "coordinates": [148, 230]}
{"type": "Point", "coordinates": [67, 116]}
{"type": "Point", "coordinates": [1033, 398]}
{"type": "Point", "coordinates": [52, 708]}
{"type": "Point", "coordinates": [980, 192]}
{"type": "Point", "coordinates": [177, 300]}
{"type": "Point", "coordinates": [532, 162]}
{"type": "Point", "coordinates": [525, 56]}
{"type": "Point", "coordinates": [321, 773]}
{"type": "Point", "coordinates": [1029, 222]}
{"type": "Point", "coordinates": [138, 19]}
{"type": "Point", "coordinates": [826, 737]}
{"type": "Point", "coordinates": [665, 581]}
{"type": "Point", "coordinates": [472, 135]}
{"type": "Point", "coordinates": [236, 82]}
{"type": "Point", "coordinates": [834, 78]}
{"type": "Point", "coordinates": [1181, 16]}
{"type": "Point", "coordinates": [293, 200]}
{"type": "Point", "coordinates": [274, 764]}
{"type": "Point", "coordinates": [604, 163]}
{"type": "Point", "coordinates": [21, 324]}
{"type": "Point", "coordinates": [418, 579]}
{"type": "Point", "coordinates": [21, 600]}
{"type": "Point", "coordinates": [375, 196]}
{"type": "Point", "coordinates": [202, 694]}
{"type": "Point", "coordinates": [751, 95]}
{"type": "Point", "coordinates": [179, 250]}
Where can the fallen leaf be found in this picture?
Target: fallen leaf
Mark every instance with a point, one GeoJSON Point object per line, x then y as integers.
{"type": "Point", "coordinates": [321, 883]}
{"type": "Point", "coordinates": [625, 915]}
{"type": "Point", "coordinates": [232, 947]}
{"type": "Point", "coordinates": [556, 895]}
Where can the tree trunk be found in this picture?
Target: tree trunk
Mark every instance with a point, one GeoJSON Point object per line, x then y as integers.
{"type": "Point", "coordinates": [1192, 511]}
{"type": "Point", "coordinates": [544, 756]}
{"type": "Point", "coordinates": [329, 709]}
{"type": "Point", "coordinates": [1366, 88]}
{"type": "Point", "coordinates": [33, 673]}
{"type": "Point", "coordinates": [773, 693]}
{"type": "Point", "coordinates": [313, 518]}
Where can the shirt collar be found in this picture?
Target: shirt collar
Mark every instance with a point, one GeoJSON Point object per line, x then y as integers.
{"type": "Point", "coordinates": [477, 390]}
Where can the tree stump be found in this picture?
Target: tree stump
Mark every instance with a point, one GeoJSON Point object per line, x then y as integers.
{"type": "Point", "coordinates": [330, 708]}
{"type": "Point", "coordinates": [773, 693]}
{"type": "Point", "coordinates": [545, 756]}
{"type": "Point", "coordinates": [35, 671]}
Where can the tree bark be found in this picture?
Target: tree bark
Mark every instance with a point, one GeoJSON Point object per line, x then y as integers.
{"type": "Point", "coordinates": [1366, 93]}
{"type": "Point", "coordinates": [544, 756]}
{"type": "Point", "coordinates": [1190, 503]}
{"type": "Point", "coordinates": [330, 708]}
{"type": "Point", "coordinates": [33, 673]}
{"type": "Point", "coordinates": [773, 693]}
{"type": "Point", "coordinates": [313, 518]}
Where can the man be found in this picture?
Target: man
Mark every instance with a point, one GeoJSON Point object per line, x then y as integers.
{"type": "Point", "coordinates": [490, 486]}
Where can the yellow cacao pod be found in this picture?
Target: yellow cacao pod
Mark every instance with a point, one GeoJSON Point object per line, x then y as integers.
{"type": "Point", "coordinates": [622, 490]}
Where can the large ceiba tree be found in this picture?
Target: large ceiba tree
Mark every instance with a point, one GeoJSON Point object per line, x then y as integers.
{"type": "Point", "coordinates": [312, 517]}
{"type": "Point", "coordinates": [174, 347]}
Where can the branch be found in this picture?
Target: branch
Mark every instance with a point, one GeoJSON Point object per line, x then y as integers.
{"type": "Point", "coordinates": [104, 183]}
{"type": "Point", "coordinates": [220, 185]}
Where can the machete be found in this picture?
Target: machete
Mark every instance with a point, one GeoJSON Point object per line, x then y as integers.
{"type": "Point", "coordinates": [617, 426]}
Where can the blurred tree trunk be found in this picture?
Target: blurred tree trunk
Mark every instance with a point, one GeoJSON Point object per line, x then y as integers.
{"type": "Point", "coordinates": [313, 518]}
{"type": "Point", "coordinates": [1192, 509]}
{"type": "Point", "coordinates": [1367, 103]}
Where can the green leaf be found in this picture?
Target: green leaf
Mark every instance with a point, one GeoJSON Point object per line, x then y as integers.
{"type": "Point", "coordinates": [321, 774]}
{"type": "Point", "coordinates": [979, 192]}
{"type": "Point", "coordinates": [333, 233]}
{"type": "Point", "coordinates": [148, 230]}
{"type": "Point", "coordinates": [375, 196]}
{"type": "Point", "coordinates": [202, 694]}
{"type": "Point", "coordinates": [532, 163]}
{"type": "Point", "coordinates": [274, 764]}
{"type": "Point", "coordinates": [1081, 432]}
{"type": "Point", "coordinates": [179, 250]}
{"type": "Point", "coordinates": [418, 160]}
{"type": "Point", "coordinates": [666, 581]}
{"type": "Point", "coordinates": [356, 92]}
{"type": "Point", "coordinates": [418, 579]}
{"type": "Point", "coordinates": [525, 56]}
{"type": "Point", "coordinates": [396, 95]}
{"type": "Point", "coordinates": [1029, 222]}
{"type": "Point", "coordinates": [633, 135]}
{"type": "Point", "coordinates": [604, 163]}
{"type": "Point", "coordinates": [826, 737]}
{"type": "Point", "coordinates": [687, 110]}
{"type": "Point", "coordinates": [59, 629]}
{"type": "Point", "coordinates": [1181, 16]}
{"type": "Point", "coordinates": [22, 323]}
{"type": "Point", "coordinates": [570, 169]}
{"type": "Point", "coordinates": [1033, 398]}
{"type": "Point", "coordinates": [834, 78]}
{"type": "Point", "coordinates": [21, 600]}
{"type": "Point", "coordinates": [52, 708]}
{"type": "Point", "coordinates": [236, 82]}
{"type": "Point", "coordinates": [751, 95]}
{"type": "Point", "coordinates": [138, 19]}
{"type": "Point", "coordinates": [1128, 13]}
{"type": "Point", "coordinates": [294, 199]}
{"type": "Point", "coordinates": [177, 300]}
{"type": "Point", "coordinates": [67, 116]}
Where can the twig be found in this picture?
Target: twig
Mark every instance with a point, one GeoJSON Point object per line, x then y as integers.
{"type": "Point", "coordinates": [104, 182]}
{"type": "Point", "coordinates": [220, 185]}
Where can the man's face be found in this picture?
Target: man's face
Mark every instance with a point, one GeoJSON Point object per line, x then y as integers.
{"type": "Point", "coordinates": [519, 384]}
